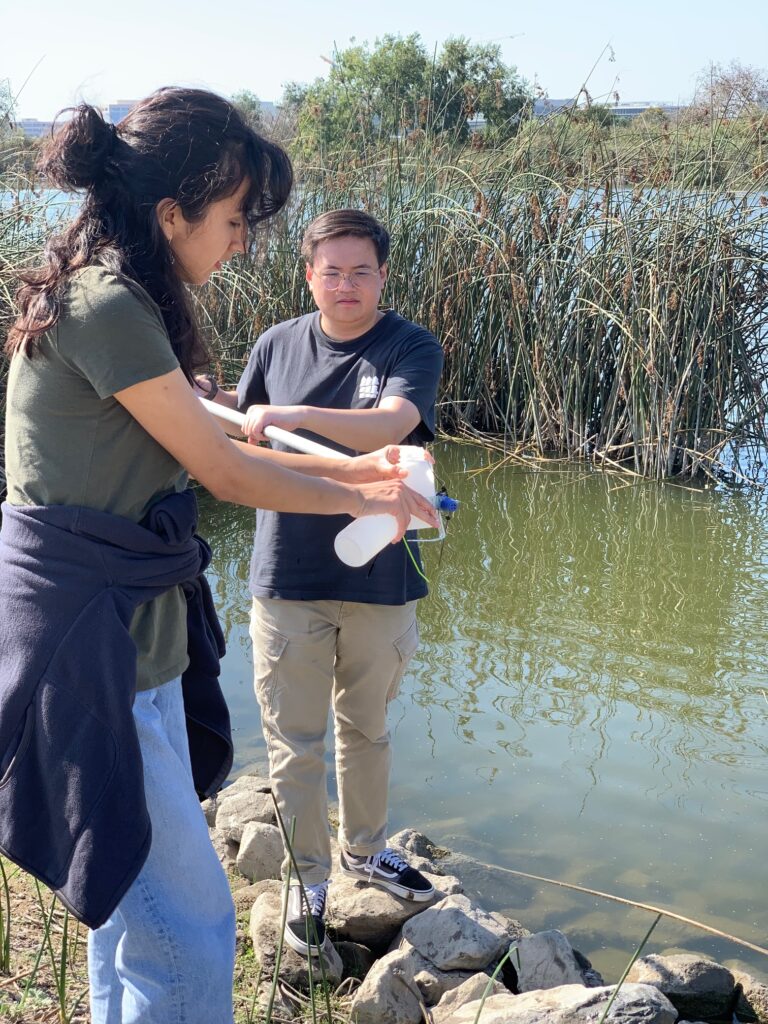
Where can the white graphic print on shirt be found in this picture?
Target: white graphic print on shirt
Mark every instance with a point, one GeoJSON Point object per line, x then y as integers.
{"type": "Point", "coordinates": [369, 387]}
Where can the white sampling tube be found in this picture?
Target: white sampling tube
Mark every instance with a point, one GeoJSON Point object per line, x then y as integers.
{"type": "Point", "coordinates": [363, 538]}
{"type": "Point", "coordinates": [300, 444]}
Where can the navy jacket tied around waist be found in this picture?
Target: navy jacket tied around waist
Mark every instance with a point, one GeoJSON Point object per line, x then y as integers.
{"type": "Point", "coordinates": [72, 809]}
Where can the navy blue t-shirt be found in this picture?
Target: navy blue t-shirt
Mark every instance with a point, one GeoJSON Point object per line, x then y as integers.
{"type": "Point", "coordinates": [296, 363]}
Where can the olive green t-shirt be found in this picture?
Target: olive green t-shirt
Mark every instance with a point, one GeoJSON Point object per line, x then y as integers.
{"type": "Point", "coordinates": [70, 442]}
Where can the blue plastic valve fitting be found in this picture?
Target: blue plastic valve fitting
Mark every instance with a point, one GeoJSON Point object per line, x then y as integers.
{"type": "Point", "coordinates": [443, 503]}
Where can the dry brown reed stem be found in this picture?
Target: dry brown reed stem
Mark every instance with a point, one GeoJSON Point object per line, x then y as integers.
{"type": "Point", "coordinates": [635, 904]}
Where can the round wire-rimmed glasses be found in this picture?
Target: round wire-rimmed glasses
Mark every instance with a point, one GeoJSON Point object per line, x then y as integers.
{"type": "Point", "coordinates": [331, 279]}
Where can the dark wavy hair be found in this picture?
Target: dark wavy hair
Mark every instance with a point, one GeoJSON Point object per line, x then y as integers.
{"type": "Point", "coordinates": [185, 144]}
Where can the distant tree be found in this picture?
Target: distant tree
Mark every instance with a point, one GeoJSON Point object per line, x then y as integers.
{"type": "Point", "coordinates": [249, 105]}
{"type": "Point", "coordinates": [653, 117]}
{"type": "Point", "coordinates": [471, 79]}
{"type": "Point", "coordinates": [396, 87]}
{"type": "Point", "coordinates": [730, 90]}
{"type": "Point", "coordinates": [595, 113]}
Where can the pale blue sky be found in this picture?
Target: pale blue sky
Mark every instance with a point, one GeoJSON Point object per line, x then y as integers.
{"type": "Point", "coordinates": [105, 51]}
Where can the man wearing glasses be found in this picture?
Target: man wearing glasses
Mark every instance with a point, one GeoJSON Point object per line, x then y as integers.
{"type": "Point", "coordinates": [326, 635]}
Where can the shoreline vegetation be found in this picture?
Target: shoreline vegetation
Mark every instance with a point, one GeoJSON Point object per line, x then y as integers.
{"type": "Point", "coordinates": [600, 289]}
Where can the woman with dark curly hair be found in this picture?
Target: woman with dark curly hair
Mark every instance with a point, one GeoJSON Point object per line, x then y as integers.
{"type": "Point", "coordinates": [111, 718]}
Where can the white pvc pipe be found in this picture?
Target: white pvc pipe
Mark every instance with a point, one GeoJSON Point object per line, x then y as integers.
{"type": "Point", "coordinates": [300, 444]}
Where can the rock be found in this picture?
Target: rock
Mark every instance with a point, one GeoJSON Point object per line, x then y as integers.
{"type": "Point", "coordinates": [356, 959]}
{"type": "Point", "coordinates": [388, 995]}
{"type": "Point", "coordinates": [753, 998]}
{"type": "Point", "coordinates": [434, 983]}
{"type": "Point", "coordinates": [545, 960]}
{"type": "Point", "coordinates": [420, 852]}
{"type": "Point", "coordinates": [283, 1006]}
{"type": "Point", "coordinates": [590, 977]}
{"type": "Point", "coordinates": [469, 991]}
{"type": "Point", "coordinates": [570, 1004]}
{"type": "Point", "coordinates": [246, 896]}
{"type": "Point", "coordinates": [695, 986]}
{"type": "Point", "coordinates": [243, 802]}
{"type": "Point", "coordinates": [225, 849]}
{"type": "Point", "coordinates": [445, 885]}
{"type": "Point", "coordinates": [399, 982]}
{"type": "Point", "coordinates": [485, 883]}
{"type": "Point", "coordinates": [261, 852]}
{"type": "Point", "coordinates": [266, 915]}
{"type": "Point", "coordinates": [456, 933]}
{"type": "Point", "coordinates": [209, 808]}
{"type": "Point", "coordinates": [367, 914]}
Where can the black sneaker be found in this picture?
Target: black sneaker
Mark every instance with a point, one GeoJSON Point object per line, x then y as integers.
{"type": "Point", "coordinates": [390, 871]}
{"type": "Point", "coordinates": [306, 934]}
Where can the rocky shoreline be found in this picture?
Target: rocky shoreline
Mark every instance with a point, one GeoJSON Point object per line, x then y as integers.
{"type": "Point", "coordinates": [409, 962]}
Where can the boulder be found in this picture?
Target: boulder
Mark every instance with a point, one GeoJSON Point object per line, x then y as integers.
{"type": "Point", "coordinates": [590, 977]}
{"type": "Point", "coordinates": [366, 913]}
{"type": "Point", "coordinates": [247, 894]}
{"type": "Point", "coordinates": [226, 850]}
{"type": "Point", "coordinates": [261, 851]}
{"type": "Point", "coordinates": [455, 933]}
{"type": "Point", "coordinates": [469, 991]}
{"type": "Point", "coordinates": [400, 981]}
{"type": "Point", "coordinates": [242, 802]}
{"type": "Point", "coordinates": [388, 995]}
{"type": "Point", "coordinates": [420, 852]}
{"type": "Point", "coordinates": [356, 959]}
{"type": "Point", "coordinates": [483, 881]}
{"type": "Point", "coordinates": [753, 998]}
{"type": "Point", "coordinates": [695, 986]}
{"type": "Point", "coordinates": [569, 1004]}
{"type": "Point", "coordinates": [545, 960]}
{"type": "Point", "coordinates": [266, 916]}
{"type": "Point", "coordinates": [209, 808]}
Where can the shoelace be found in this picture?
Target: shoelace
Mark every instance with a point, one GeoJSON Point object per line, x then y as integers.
{"type": "Point", "coordinates": [316, 897]}
{"type": "Point", "coordinates": [389, 859]}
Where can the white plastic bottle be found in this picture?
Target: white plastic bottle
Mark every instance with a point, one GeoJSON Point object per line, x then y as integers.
{"type": "Point", "coordinates": [357, 543]}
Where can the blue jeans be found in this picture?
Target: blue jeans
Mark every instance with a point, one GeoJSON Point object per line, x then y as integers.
{"type": "Point", "coordinates": [166, 955]}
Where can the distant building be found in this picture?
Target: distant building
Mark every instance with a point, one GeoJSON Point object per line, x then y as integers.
{"type": "Point", "coordinates": [545, 106]}
{"type": "Point", "coordinates": [623, 108]}
{"type": "Point", "coordinates": [33, 128]}
{"type": "Point", "coordinates": [115, 112]}
{"type": "Point", "coordinates": [634, 109]}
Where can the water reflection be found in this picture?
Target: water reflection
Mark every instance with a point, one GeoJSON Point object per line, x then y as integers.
{"type": "Point", "coordinates": [589, 699]}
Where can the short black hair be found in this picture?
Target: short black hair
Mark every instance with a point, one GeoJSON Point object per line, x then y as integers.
{"type": "Point", "coordinates": [341, 224]}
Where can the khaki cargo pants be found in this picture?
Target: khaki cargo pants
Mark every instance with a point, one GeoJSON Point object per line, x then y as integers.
{"type": "Point", "coordinates": [309, 657]}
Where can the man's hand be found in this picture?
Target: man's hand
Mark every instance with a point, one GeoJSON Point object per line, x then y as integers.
{"type": "Point", "coordinates": [289, 417]}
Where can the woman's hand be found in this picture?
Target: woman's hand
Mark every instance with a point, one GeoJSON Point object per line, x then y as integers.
{"type": "Point", "coordinates": [395, 499]}
{"type": "Point", "coordinates": [380, 465]}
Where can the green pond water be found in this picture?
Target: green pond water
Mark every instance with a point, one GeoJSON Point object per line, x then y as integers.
{"type": "Point", "coordinates": [588, 702]}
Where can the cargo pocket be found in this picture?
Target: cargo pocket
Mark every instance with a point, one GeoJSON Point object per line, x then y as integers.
{"type": "Point", "coordinates": [62, 765]}
{"type": "Point", "coordinates": [268, 648]}
{"type": "Point", "coordinates": [405, 646]}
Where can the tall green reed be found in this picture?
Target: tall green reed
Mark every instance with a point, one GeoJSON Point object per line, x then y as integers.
{"type": "Point", "coordinates": [581, 315]}
{"type": "Point", "coordinates": [600, 291]}
{"type": "Point", "coordinates": [5, 919]}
